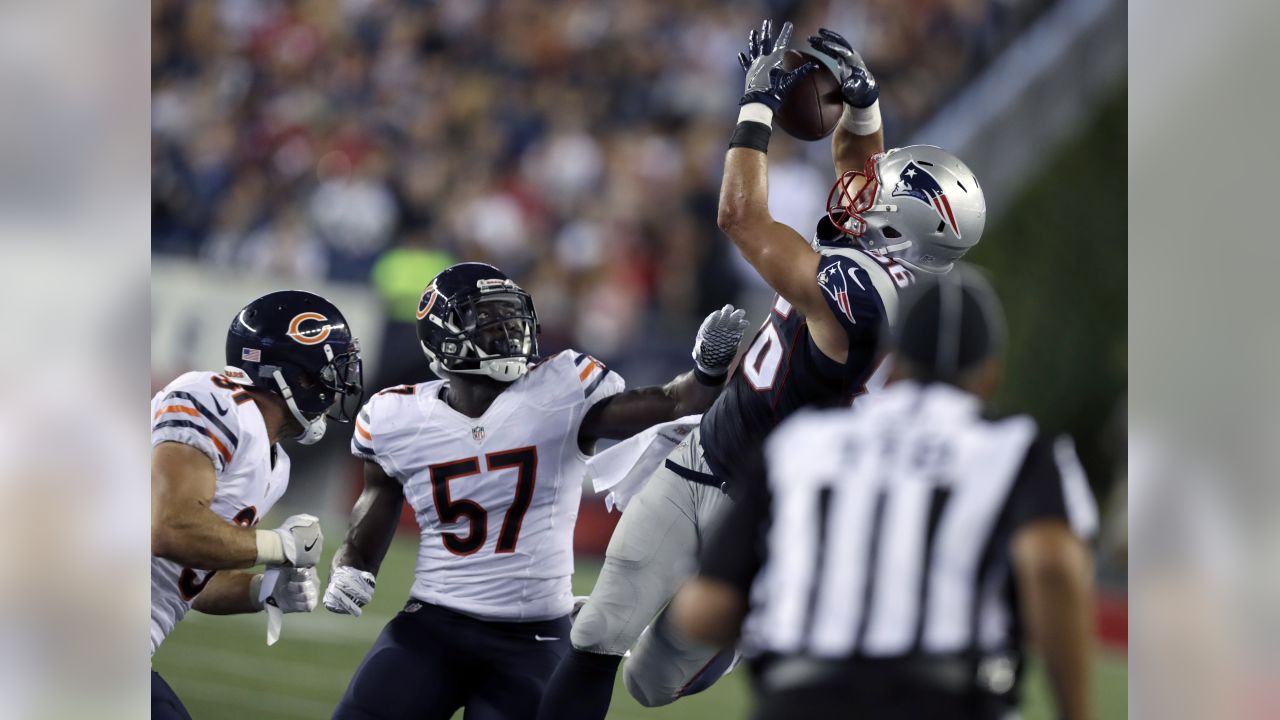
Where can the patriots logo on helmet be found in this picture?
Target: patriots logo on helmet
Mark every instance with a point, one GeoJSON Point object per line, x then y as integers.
{"type": "Point", "coordinates": [916, 182]}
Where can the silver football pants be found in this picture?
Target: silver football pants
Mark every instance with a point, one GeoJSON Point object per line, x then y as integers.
{"type": "Point", "coordinates": [652, 552]}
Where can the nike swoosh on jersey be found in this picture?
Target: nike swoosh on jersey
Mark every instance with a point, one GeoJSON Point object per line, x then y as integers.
{"type": "Point", "coordinates": [313, 544]}
{"type": "Point", "coordinates": [218, 405]}
{"type": "Point", "coordinates": [853, 273]}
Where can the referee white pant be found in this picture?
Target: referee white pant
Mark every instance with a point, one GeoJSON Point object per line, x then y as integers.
{"type": "Point", "coordinates": [652, 552]}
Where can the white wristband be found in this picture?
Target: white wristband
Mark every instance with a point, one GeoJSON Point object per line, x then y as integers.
{"type": "Point", "coordinates": [756, 112]}
{"type": "Point", "coordinates": [255, 589]}
{"type": "Point", "coordinates": [270, 548]}
{"type": "Point", "coordinates": [861, 121]}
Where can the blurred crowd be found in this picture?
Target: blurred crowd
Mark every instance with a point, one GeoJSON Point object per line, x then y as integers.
{"type": "Point", "coordinates": [577, 144]}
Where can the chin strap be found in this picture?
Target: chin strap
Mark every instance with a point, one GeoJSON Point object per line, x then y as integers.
{"type": "Point", "coordinates": [500, 369]}
{"type": "Point", "coordinates": [506, 369]}
{"type": "Point", "coordinates": [312, 430]}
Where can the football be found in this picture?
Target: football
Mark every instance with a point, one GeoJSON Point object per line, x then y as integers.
{"type": "Point", "coordinates": [813, 107]}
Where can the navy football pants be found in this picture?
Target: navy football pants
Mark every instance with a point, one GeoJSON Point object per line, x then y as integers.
{"type": "Point", "coordinates": [165, 704]}
{"type": "Point", "coordinates": [430, 661]}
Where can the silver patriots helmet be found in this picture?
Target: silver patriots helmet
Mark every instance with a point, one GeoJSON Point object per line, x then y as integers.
{"type": "Point", "coordinates": [917, 204]}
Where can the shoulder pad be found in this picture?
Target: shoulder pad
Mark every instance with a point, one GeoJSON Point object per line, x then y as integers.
{"type": "Point", "coordinates": [200, 410]}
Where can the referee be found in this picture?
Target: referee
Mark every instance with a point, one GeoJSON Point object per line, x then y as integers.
{"type": "Point", "coordinates": [891, 559]}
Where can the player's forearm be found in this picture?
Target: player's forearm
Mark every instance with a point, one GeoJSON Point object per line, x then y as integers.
{"type": "Point", "coordinates": [198, 538]}
{"type": "Point", "coordinates": [362, 553]}
{"type": "Point", "coordinates": [744, 200]}
{"type": "Point", "coordinates": [634, 411]}
{"type": "Point", "coordinates": [1065, 645]}
{"type": "Point", "coordinates": [781, 256]}
{"type": "Point", "coordinates": [850, 151]}
{"type": "Point", "coordinates": [228, 593]}
{"type": "Point", "coordinates": [691, 395]}
{"type": "Point", "coordinates": [373, 525]}
{"type": "Point", "coordinates": [622, 416]}
{"type": "Point", "coordinates": [1057, 596]}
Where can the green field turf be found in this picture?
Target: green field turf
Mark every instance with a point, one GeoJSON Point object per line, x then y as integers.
{"type": "Point", "coordinates": [222, 668]}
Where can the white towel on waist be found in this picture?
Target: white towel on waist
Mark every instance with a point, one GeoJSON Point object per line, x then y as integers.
{"type": "Point", "coordinates": [624, 468]}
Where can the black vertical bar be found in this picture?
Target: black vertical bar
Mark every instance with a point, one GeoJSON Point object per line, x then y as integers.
{"type": "Point", "coordinates": [937, 503]}
{"type": "Point", "coordinates": [872, 565]}
{"type": "Point", "coordinates": [820, 560]}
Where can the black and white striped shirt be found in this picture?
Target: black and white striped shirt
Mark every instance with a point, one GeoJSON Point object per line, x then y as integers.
{"type": "Point", "coordinates": [886, 529]}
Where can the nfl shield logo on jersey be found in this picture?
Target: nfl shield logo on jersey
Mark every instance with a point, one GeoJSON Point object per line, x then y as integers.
{"type": "Point", "coordinates": [477, 433]}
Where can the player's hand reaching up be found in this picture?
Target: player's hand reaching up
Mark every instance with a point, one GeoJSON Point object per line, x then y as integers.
{"type": "Point", "coordinates": [349, 590]}
{"type": "Point", "coordinates": [298, 542]}
{"type": "Point", "coordinates": [857, 85]}
{"type": "Point", "coordinates": [717, 341]}
{"type": "Point", "coordinates": [296, 590]}
{"type": "Point", "coordinates": [767, 81]}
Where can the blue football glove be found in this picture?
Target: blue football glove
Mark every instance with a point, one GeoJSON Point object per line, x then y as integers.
{"type": "Point", "coordinates": [857, 85]}
{"type": "Point", "coordinates": [767, 82]}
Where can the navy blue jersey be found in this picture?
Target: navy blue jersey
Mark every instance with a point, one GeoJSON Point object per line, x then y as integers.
{"type": "Point", "coordinates": [783, 370]}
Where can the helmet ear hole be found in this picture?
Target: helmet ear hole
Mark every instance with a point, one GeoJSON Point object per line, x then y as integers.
{"type": "Point", "coordinates": [890, 232]}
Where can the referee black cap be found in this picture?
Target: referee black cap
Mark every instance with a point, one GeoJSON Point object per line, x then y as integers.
{"type": "Point", "coordinates": [948, 324]}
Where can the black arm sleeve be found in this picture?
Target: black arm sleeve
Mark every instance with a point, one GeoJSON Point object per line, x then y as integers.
{"type": "Point", "coordinates": [736, 550]}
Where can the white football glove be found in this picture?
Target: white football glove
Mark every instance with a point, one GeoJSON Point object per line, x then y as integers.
{"type": "Point", "coordinates": [296, 590]}
{"type": "Point", "coordinates": [350, 589]}
{"type": "Point", "coordinates": [298, 542]}
{"type": "Point", "coordinates": [717, 341]}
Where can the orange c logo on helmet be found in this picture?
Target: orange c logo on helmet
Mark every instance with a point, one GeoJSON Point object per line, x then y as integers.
{"type": "Point", "coordinates": [309, 337]}
{"type": "Point", "coordinates": [427, 301]}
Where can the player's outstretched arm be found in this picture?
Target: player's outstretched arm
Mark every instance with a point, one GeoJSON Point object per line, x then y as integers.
{"type": "Point", "coordinates": [859, 135]}
{"type": "Point", "coordinates": [778, 253]}
{"type": "Point", "coordinates": [1054, 574]}
{"type": "Point", "coordinates": [373, 525]}
{"type": "Point", "coordinates": [630, 412]}
{"type": "Point", "coordinates": [782, 257]}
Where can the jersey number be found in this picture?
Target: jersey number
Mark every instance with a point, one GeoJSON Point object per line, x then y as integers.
{"type": "Point", "coordinates": [452, 511]}
{"type": "Point", "coordinates": [761, 362]}
{"type": "Point", "coordinates": [188, 587]}
{"type": "Point", "coordinates": [238, 394]}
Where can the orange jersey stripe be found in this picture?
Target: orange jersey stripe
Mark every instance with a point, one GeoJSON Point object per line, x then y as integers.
{"type": "Point", "coordinates": [177, 408]}
{"type": "Point", "coordinates": [360, 429]}
{"type": "Point", "coordinates": [586, 371]}
{"type": "Point", "coordinates": [222, 449]}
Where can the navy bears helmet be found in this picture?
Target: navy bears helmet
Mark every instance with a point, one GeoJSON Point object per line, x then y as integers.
{"type": "Point", "coordinates": [473, 319]}
{"type": "Point", "coordinates": [298, 346]}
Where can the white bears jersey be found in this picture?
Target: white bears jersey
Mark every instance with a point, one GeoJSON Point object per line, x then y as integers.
{"type": "Point", "coordinates": [496, 497]}
{"type": "Point", "coordinates": [215, 416]}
